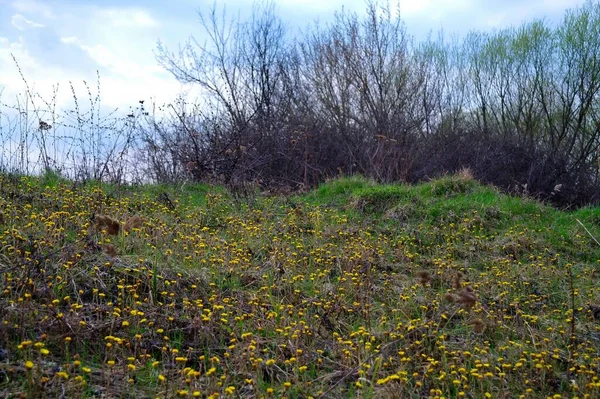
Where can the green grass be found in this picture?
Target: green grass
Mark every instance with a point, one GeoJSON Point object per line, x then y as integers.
{"type": "Point", "coordinates": [355, 289]}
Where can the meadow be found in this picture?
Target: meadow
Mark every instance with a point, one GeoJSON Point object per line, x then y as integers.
{"type": "Point", "coordinates": [445, 289]}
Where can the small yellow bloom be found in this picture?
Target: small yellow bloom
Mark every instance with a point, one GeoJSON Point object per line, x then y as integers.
{"type": "Point", "coordinates": [63, 375]}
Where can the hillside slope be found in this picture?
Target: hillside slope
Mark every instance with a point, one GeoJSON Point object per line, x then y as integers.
{"type": "Point", "coordinates": [444, 289]}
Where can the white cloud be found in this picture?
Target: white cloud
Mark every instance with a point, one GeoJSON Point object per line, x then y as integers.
{"type": "Point", "coordinates": [40, 77]}
{"type": "Point", "coordinates": [128, 18]}
{"type": "Point", "coordinates": [22, 23]}
{"type": "Point", "coordinates": [119, 40]}
{"type": "Point", "coordinates": [33, 7]}
{"type": "Point", "coordinates": [126, 79]}
{"type": "Point", "coordinates": [17, 49]}
{"type": "Point", "coordinates": [69, 40]}
{"type": "Point", "coordinates": [315, 6]}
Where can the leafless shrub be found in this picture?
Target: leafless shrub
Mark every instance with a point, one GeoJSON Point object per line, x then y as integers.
{"type": "Point", "coordinates": [517, 107]}
{"type": "Point", "coordinates": [82, 143]}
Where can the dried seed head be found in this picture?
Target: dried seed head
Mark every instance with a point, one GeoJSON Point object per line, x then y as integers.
{"type": "Point", "coordinates": [113, 227]}
{"type": "Point", "coordinates": [424, 277]}
{"type": "Point", "coordinates": [133, 222]}
{"type": "Point", "coordinates": [100, 221]}
{"type": "Point", "coordinates": [449, 297]}
{"type": "Point", "coordinates": [457, 280]}
{"type": "Point", "coordinates": [478, 325]}
{"type": "Point", "coordinates": [110, 250]}
{"type": "Point", "coordinates": [467, 298]}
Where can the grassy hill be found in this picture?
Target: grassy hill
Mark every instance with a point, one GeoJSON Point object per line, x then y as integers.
{"type": "Point", "coordinates": [445, 289]}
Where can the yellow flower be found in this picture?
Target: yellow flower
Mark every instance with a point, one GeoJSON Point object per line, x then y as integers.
{"type": "Point", "coordinates": [63, 375]}
{"type": "Point", "coordinates": [29, 364]}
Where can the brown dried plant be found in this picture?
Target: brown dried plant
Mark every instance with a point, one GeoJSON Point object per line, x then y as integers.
{"type": "Point", "coordinates": [134, 222]}
{"type": "Point", "coordinates": [467, 297]}
{"type": "Point", "coordinates": [424, 277]}
{"type": "Point", "coordinates": [110, 250]}
{"type": "Point", "coordinates": [449, 297]}
{"type": "Point", "coordinates": [111, 225]}
{"type": "Point", "coordinates": [478, 325]}
{"type": "Point", "coordinates": [466, 174]}
{"type": "Point", "coordinates": [456, 281]}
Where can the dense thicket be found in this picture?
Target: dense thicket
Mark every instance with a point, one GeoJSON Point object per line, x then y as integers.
{"type": "Point", "coordinates": [518, 106]}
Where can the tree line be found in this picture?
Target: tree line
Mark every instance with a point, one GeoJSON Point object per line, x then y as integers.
{"type": "Point", "coordinates": [519, 107]}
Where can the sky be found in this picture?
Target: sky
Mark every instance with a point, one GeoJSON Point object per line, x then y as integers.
{"type": "Point", "coordinates": [63, 42]}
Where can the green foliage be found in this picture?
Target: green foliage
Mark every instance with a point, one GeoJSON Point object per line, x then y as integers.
{"type": "Point", "coordinates": [52, 179]}
{"type": "Point", "coordinates": [338, 191]}
{"type": "Point", "coordinates": [381, 197]}
{"type": "Point", "coordinates": [452, 185]}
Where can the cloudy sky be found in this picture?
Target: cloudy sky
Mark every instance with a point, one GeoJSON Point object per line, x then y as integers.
{"type": "Point", "coordinates": [62, 41]}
